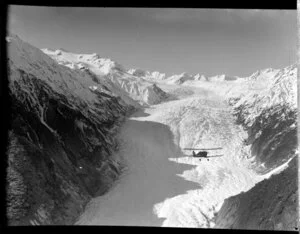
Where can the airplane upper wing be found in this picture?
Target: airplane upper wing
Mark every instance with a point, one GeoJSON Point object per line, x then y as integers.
{"type": "Point", "coordinates": [212, 156]}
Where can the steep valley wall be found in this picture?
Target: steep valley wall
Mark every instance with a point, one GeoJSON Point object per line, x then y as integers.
{"type": "Point", "coordinates": [61, 145]}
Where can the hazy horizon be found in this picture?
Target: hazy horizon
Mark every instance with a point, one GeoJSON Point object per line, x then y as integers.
{"type": "Point", "coordinates": [172, 41]}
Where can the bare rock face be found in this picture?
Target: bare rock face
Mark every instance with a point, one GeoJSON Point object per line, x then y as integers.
{"type": "Point", "coordinates": [154, 95]}
{"type": "Point", "coordinates": [180, 79]}
{"type": "Point", "coordinates": [270, 205]}
{"type": "Point", "coordinates": [273, 137]}
{"type": "Point", "coordinates": [61, 141]}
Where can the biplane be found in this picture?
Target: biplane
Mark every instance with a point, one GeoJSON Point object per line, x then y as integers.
{"type": "Point", "coordinates": [203, 153]}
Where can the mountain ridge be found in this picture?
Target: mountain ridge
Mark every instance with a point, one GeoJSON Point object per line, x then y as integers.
{"type": "Point", "coordinates": [109, 66]}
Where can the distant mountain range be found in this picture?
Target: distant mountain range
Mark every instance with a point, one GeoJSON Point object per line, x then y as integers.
{"type": "Point", "coordinates": [106, 66]}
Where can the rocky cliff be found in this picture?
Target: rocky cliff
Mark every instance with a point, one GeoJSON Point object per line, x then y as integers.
{"type": "Point", "coordinates": [61, 138]}
{"type": "Point", "coordinates": [269, 205]}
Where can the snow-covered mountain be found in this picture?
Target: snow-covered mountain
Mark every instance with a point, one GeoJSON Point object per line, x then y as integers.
{"type": "Point", "coordinates": [146, 74]}
{"type": "Point", "coordinates": [222, 78]}
{"type": "Point", "coordinates": [158, 76]}
{"type": "Point", "coordinates": [139, 72]}
{"type": "Point", "coordinates": [187, 79]}
{"type": "Point", "coordinates": [268, 112]}
{"type": "Point", "coordinates": [127, 84]}
{"type": "Point", "coordinates": [179, 79]}
{"type": "Point", "coordinates": [200, 77]}
{"type": "Point", "coordinates": [62, 135]}
{"type": "Point", "coordinates": [72, 60]}
{"type": "Point", "coordinates": [263, 74]}
{"type": "Point", "coordinates": [140, 90]}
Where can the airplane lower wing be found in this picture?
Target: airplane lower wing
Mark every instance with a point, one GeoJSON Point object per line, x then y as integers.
{"type": "Point", "coordinates": [212, 156]}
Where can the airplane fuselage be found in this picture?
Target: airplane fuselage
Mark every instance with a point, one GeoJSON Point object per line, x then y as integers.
{"type": "Point", "coordinates": [201, 154]}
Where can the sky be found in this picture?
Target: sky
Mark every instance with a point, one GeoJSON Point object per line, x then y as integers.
{"type": "Point", "coordinates": [169, 40]}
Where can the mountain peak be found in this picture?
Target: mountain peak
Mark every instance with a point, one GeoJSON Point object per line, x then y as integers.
{"type": "Point", "coordinates": [200, 77]}
{"type": "Point", "coordinates": [64, 50]}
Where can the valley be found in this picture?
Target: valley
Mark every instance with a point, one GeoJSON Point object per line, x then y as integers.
{"type": "Point", "coordinates": [94, 143]}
